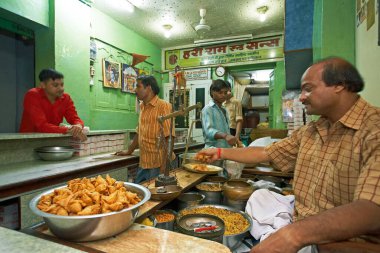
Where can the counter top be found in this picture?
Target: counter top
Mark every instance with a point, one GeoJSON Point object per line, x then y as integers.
{"type": "Point", "coordinates": [19, 178]}
{"type": "Point", "coordinates": [16, 242]}
{"type": "Point", "coordinates": [15, 136]}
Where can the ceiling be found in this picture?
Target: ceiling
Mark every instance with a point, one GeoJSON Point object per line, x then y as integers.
{"type": "Point", "coordinates": [226, 18]}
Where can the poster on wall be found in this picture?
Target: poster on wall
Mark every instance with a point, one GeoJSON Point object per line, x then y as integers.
{"type": "Point", "coordinates": [111, 74]}
{"type": "Point", "coordinates": [129, 80]}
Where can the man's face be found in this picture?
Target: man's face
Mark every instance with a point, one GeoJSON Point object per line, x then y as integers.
{"type": "Point", "coordinates": [141, 91]}
{"type": "Point", "coordinates": [315, 95]}
{"type": "Point", "coordinates": [229, 94]}
{"type": "Point", "coordinates": [53, 88]}
{"type": "Point", "coordinates": [220, 96]}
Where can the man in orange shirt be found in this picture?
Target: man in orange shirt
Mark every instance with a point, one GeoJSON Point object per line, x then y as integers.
{"type": "Point", "coordinates": [153, 153]}
{"type": "Point", "coordinates": [336, 162]}
{"type": "Point", "coordinates": [46, 106]}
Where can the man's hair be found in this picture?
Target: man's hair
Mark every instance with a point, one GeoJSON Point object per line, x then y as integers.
{"type": "Point", "coordinates": [218, 85]}
{"type": "Point", "coordinates": [149, 81]}
{"type": "Point", "coordinates": [47, 74]}
{"type": "Point", "coordinates": [338, 71]}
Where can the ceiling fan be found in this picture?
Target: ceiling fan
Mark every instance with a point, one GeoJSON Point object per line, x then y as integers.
{"type": "Point", "coordinates": [202, 28]}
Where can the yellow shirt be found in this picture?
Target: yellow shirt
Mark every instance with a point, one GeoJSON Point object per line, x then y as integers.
{"type": "Point", "coordinates": [149, 131]}
{"type": "Point", "coordinates": [234, 110]}
{"type": "Point", "coordinates": [333, 165]}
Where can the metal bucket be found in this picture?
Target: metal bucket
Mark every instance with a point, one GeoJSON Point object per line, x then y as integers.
{"type": "Point", "coordinates": [211, 191]}
{"type": "Point", "coordinates": [189, 199]}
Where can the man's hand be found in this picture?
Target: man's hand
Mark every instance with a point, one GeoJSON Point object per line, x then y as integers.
{"type": "Point", "coordinates": [124, 152]}
{"type": "Point", "coordinates": [210, 155]}
{"type": "Point", "coordinates": [231, 140]}
{"type": "Point", "coordinates": [77, 132]}
{"type": "Point", "coordinates": [282, 241]}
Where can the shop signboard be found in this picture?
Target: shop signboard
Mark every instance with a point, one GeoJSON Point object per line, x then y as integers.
{"type": "Point", "coordinates": [268, 48]}
{"type": "Point", "coordinates": [194, 74]}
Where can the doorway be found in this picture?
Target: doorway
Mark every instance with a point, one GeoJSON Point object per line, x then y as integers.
{"type": "Point", "coordinates": [16, 77]}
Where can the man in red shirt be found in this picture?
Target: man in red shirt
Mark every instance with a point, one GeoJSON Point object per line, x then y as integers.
{"type": "Point", "coordinates": [45, 107]}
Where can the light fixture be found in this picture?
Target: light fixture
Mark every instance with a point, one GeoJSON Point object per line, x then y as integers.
{"type": "Point", "coordinates": [167, 30]}
{"type": "Point", "coordinates": [222, 40]}
{"type": "Point", "coordinates": [262, 12]}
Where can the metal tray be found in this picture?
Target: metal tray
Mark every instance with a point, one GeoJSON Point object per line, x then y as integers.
{"type": "Point", "coordinates": [211, 169]}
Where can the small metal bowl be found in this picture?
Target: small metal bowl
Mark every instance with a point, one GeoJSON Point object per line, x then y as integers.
{"type": "Point", "coordinates": [55, 153]}
{"type": "Point", "coordinates": [92, 227]}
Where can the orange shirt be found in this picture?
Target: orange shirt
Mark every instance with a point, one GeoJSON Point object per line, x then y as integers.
{"type": "Point", "coordinates": [333, 165]}
{"type": "Point", "coordinates": [149, 131]}
{"type": "Point", "coordinates": [234, 110]}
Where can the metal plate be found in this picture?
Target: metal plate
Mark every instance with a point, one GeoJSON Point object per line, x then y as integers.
{"type": "Point", "coordinates": [211, 169]}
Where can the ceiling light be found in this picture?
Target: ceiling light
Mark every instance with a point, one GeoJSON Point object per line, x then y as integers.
{"type": "Point", "coordinates": [223, 40]}
{"type": "Point", "coordinates": [262, 12]}
{"type": "Point", "coordinates": [167, 30]}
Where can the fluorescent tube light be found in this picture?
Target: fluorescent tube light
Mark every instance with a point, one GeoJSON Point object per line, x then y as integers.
{"type": "Point", "coordinates": [222, 40]}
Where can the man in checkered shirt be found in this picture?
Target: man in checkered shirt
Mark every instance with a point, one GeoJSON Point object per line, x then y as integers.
{"type": "Point", "coordinates": [336, 162]}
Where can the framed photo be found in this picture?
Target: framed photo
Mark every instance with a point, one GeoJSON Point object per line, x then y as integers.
{"type": "Point", "coordinates": [129, 80]}
{"type": "Point", "coordinates": [111, 74]}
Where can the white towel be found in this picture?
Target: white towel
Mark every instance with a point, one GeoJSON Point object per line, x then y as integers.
{"type": "Point", "coordinates": [270, 211]}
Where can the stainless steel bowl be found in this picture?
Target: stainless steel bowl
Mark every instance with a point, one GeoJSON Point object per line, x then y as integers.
{"type": "Point", "coordinates": [92, 227]}
{"type": "Point", "coordinates": [231, 241]}
{"type": "Point", "coordinates": [55, 153]}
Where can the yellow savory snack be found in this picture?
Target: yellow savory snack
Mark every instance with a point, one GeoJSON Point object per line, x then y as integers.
{"type": "Point", "coordinates": [235, 223]}
{"type": "Point", "coordinates": [200, 167]}
{"type": "Point", "coordinates": [164, 217]}
{"type": "Point", "coordinates": [84, 196]}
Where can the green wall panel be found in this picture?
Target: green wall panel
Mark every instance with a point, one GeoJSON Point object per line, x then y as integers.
{"type": "Point", "coordinates": [334, 29]}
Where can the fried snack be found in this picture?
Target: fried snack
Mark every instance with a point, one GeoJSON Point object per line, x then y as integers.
{"type": "Point", "coordinates": [88, 196]}
{"type": "Point", "coordinates": [202, 158]}
{"type": "Point", "coordinates": [209, 187]}
{"type": "Point", "coordinates": [164, 217]}
{"type": "Point", "coordinates": [200, 167]}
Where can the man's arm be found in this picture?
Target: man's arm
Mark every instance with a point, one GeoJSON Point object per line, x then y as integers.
{"type": "Point", "coordinates": [239, 119]}
{"type": "Point", "coordinates": [243, 155]}
{"type": "Point", "coordinates": [231, 140]}
{"type": "Point", "coordinates": [361, 217]}
{"type": "Point", "coordinates": [239, 125]}
{"type": "Point", "coordinates": [71, 114]}
{"type": "Point", "coordinates": [131, 148]}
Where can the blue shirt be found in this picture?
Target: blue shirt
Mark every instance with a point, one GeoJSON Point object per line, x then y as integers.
{"type": "Point", "coordinates": [214, 119]}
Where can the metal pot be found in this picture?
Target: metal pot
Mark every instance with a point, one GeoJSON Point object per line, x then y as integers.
{"type": "Point", "coordinates": [237, 189]}
{"type": "Point", "coordinates": [168, 225]}
{"type": "Point", "coordinates": [211, 191]}
{"type": "Point", "coordinates": [189, 199]}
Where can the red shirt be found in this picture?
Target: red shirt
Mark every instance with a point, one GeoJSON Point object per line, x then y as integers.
{"type": "Point", "coordinates": [40, 115]}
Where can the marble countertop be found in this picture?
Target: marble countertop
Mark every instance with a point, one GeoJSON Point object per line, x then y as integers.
{"type": "Point", "coordinates": [15, 136]}
{"type": "Point", "coordinates": [12, 241]}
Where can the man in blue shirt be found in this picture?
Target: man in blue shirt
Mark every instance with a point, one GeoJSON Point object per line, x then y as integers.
{"type": "Point", "coordinates": [215, 125]}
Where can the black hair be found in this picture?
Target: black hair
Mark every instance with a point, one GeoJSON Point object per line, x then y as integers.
{"type": "Point", "coordinates": [218, 85]}
{"type": "Point", "coordinates": [149, 81]}
{"type": "Point", "coordinates": [47, 74]}
{"type": "Point", "coordinates": [338, 71]}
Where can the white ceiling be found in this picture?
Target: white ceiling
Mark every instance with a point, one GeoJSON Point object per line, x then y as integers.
{"type": "Point", "coordinates": [226, 18]}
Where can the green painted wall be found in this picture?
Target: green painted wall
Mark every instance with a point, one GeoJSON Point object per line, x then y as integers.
{"type": "Point", "coordinates": [334, 29]}
{"type": "Point", "coordinates": [26, 10]}
{"type": "Point", "coordinates": [276, 93]}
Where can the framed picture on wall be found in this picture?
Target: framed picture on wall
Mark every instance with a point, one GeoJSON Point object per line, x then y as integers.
{"type": "Point", "coordinates": [129, 80]}
{"type": "Point", "coordinates": [111, 74]}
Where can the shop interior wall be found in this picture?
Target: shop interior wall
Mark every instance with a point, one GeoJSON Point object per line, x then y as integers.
{"type": "Point", "coordinates": [367, 57]}
{"type": "Point", "coordinates": [62, 42]}
{"type": "Point", "coordinates": [334, 29]}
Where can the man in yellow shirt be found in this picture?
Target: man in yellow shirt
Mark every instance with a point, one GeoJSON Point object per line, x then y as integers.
{"type": "Point", "coordinates": [153, 154]}
{"type": "Point", "coordinates": [235, 113]}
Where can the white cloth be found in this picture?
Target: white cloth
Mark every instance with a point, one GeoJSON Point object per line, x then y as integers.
{"type": "Point", "coordinates": [269, 211]}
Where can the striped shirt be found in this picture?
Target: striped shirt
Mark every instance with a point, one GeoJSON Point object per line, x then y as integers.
{"type": "Point", "coordinates": [333, 165]}
{"type": "Point", "coordinates": [149, 132]}
{"type": "Point", "coordinates": [235, 111]}
{"type": "Point", "coordinates": [214, 120]}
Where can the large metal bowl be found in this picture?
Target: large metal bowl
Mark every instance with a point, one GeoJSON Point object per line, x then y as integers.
{"type": "Point", "coordinates": [92, 227]}
{"type": "Point", "coordinates": [231, 241]}
{"type": "Point", "coordinates": [55, 153]}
